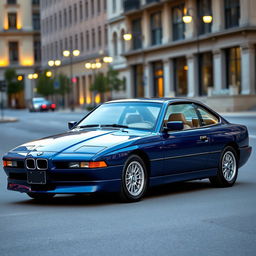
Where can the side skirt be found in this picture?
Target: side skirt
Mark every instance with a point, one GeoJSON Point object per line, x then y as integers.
{"type": "Point", "coordinates": [202, 174]}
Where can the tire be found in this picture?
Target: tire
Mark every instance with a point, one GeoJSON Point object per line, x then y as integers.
{"type": "Point", "coordinates": [227, 170]}
{"type": "Point", "coordinates": [41, 197]}
{"type": "Point", "coordinates": [134, 186]}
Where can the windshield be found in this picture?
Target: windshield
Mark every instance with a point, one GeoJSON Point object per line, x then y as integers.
{"type": "Point", "coordinates": [126, 114]}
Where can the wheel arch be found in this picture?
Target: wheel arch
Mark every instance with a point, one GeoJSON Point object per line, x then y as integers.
{"type": "Point", "coordinates": [144, 157]}
{"type": "Point", "coordinates": [235, 146]}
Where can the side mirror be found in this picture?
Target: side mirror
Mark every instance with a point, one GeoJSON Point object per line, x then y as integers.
{"type": "Point", "coordinates": [175, 126]}
{"type": "Point", "coordinates": [71, 124]}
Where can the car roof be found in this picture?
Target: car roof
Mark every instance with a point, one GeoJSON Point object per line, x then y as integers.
{"type": "Point", "coordinates": [153, 100]}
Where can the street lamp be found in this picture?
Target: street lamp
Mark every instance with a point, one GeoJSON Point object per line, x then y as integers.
{"type": "Point", "coordinates": [70, 54]}
{"type": "Point", "coordinates": [33, 77]}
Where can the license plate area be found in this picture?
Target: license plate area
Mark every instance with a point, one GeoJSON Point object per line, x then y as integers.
{"type": "Point", "coordinates": [36, 177]}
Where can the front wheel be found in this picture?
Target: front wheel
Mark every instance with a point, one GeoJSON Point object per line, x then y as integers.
{"type": "Point", "coordinates": [228, 169]}
{"type": "Point", "coordinates": [40, 197]}
{"type": "Point", "coordinates": [134, 179]}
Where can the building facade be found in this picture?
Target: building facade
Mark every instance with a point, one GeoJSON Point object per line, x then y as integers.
{"type": "Point", "coordinates": [20, 45]}
{"type": "Point", "coordinates": [117, 44]}
{"type": "Point", "coordinates": [210, 54]}
{"type": "Point", "coordinates": [78, 26]}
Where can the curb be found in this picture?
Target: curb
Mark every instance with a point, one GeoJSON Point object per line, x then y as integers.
{"type": "Point", "coordinates": [8, 120]}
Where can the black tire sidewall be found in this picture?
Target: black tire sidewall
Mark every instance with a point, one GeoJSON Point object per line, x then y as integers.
{"type": "Point", "coordinates": [124, 192]}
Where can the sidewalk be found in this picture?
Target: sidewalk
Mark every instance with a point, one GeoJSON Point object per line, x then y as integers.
{"type": "Point", "coordinates": [7, 119]}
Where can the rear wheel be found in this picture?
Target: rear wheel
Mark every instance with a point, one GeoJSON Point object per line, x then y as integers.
{"type": "Point", "coordinates": [40, 197]}
{"type": "Point", "coordinates": [228, 169]}
{"type": "Point", "coordinates": [134, 179]}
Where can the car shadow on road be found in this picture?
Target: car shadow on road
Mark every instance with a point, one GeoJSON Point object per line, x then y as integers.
{"type": "Point", "coordinates": [169, 190]}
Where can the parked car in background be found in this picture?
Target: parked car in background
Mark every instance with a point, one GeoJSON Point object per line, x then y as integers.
{"type": "Point", "coordinates": [41, 104]}
{"type": "Point", "coordinates": [127, 146]}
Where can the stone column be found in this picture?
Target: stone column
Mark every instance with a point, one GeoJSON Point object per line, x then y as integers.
{"type": "Point", "coordinates": [146, 40]}
{"type": "Point", "coordinates": [148, 86]}
{"type": "Point", "coordinates": [168, 78]}
{"type": "Point", "coordinates": [248, 69]}
{"type": "Point", "coordinates": [130, 83]}
{"type": "Point", "coordinates": [218, 15]}
{"type": "Point", "coordinates": [219, 71]}
{"type": "Point", "coordinates": [166, 21]}
{"type": "Point", "coordinates": [192, 75]}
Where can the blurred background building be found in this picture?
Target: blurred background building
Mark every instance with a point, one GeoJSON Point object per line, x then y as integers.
{"type": "Point", "coordinates": [75, 34]}
{"type": "Point", "coordinates": [192, 48]}
{"type": "Point", "coordinates": [20, 46]}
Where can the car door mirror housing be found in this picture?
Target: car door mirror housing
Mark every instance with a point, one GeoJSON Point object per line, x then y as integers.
{"type": "Point", "coordinates": [71, 124]}
{"type": "Point", "coordinates": [175, 126]}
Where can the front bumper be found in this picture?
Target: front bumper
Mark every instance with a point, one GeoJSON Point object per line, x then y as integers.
{"type": "Point", "coordinates": [68, 181]}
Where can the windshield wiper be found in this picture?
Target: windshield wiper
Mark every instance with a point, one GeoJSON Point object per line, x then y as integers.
{"type": "Point", "coordinates": [114, 125]}
{"type": "Point", "coordinates": [88, 126]}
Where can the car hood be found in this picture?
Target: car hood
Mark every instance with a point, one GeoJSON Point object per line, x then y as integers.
{"type": "Point", "coordinates": [81, 142]}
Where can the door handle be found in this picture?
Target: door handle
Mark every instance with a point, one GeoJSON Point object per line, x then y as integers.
{"type": "Point", "coordinates": [204, 138]}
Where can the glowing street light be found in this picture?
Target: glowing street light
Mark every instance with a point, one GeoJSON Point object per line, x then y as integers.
{"type": "Point", "coordinates": [187, 19]}
{"type": "Point", "coordinates": [207, 19]}
{"type": "Point", "coordinates": [51, 63]}
{"type": "Point", "coordinates": [48, 74]}
{"type": "Point", "coordinates": [107, 59]}
{"type": "Point", "coordinates": [57, 63]}
{"type": "Point", "coordinates": [127, 37]}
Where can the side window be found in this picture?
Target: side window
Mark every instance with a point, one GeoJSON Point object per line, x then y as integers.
{"type": "Point", "coordinates": [206, 117]}
{"type": "Point", "coordinates": [185, 113]}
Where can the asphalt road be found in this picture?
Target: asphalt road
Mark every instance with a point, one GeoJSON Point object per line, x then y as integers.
{"type": "Point", "coordinates": [191, 218]}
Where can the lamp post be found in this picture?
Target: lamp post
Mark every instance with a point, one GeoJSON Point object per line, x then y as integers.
{"type": "Point", "coordinates": [32, 77]}
{"type": "Point", "coordinates": [71, 54]}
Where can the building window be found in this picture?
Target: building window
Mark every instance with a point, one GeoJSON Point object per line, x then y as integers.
{"type": "Point", "coordinates": [11, 1]}
{"type": "Point", "coordinates": [37, 50]}
{"type": "Point", "coordinates": [106, 34]}
{"type": "Point", "coordinates": [35, 2]}
{"type": "Point", "coordinates": [87, 40]}
{"type": "Point", "coordinates": [93, 39]}
{"type": "Point", "coordinates": [12, 20]}
{"type": "Point", "coordinates": [71, 43]}
{"type": "Point", "coordinates": [137, 34]}
{"type": "Point", "coordinates": [13, 52]}
{"type": "Point", "coordinates": [81, 9]}
{"type": "Point", "coordinates": [156, 28]}
{"type": "Point", "coordinates": [92, 7]}
{"type": "Point", "coordinates": [232, 13]}
{"type": "Point", "coordinates": [99, 37]}
{"type": "Point", "coordinates": [75, 13]}
{"type": "Point", "coordinates": [66, 43]}
{"type": "Point", "coordinates": [70, 15]}
{"type": "Point", "coordinates": [205, 73]}
{"type": "Point", "coordinates": [115, 44]}
{"type": "Point", "coordinates": [61, 47]}
{"type": "Point", "coordinates": [56, 51]}
{"type": "Point", "coordinates": [65, 18]}
{"type": "Point", "coordinates": [105, 4]}
{"type": "Point", "coordinates": [113, 6]}
{"type": "Point", "coordinates": [180, 76]}
{"type": "Point", "coordinates": [158, 78]}
{"type": "Point", "coordinates": [86, 9]}
{"type": "Point", "coordinates": [60, 20]}
{"type": "Point", "coordinates": [81, 42]}
{"type": "Point", "coordinates": [204, 7]}
{"type": "Point", "coordinates": [233, 60]}
{"type": "Point", "coordinates": [99, 6]}
{"type": "Point", "coordinates": [138, 81]}
{"type": "Point", "coordinates": [76, 41]}
{"type": "Point", "coordinates": [178, 26]}
{"type": "Point", "coordinates": [55, 22]}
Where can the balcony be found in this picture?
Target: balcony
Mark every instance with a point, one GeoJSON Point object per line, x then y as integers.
{"type": "Point", "coordinates": [130, 5]}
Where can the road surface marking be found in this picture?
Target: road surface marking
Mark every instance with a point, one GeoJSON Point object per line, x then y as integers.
{"type": "Point", "coordinates": [252, 136]}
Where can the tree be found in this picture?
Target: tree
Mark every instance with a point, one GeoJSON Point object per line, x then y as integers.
{"type": "Point", "coordinates": [64, 85]}
{"type": "Point", "coordinates": [45, 85]}
{"type": "Point", "coordinates": [13, 85]}
{"type": "Point", "coordinates": [105, 83]}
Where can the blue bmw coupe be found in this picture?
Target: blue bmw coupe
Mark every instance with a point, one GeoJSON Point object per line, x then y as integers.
{"type": "Point", "coordinates": [126, 146]}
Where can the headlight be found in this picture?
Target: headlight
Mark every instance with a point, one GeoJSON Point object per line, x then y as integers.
{"type": "Point", "coordinates": [10, 163]}
{"type": "Point", "coordinates": [99, 164]}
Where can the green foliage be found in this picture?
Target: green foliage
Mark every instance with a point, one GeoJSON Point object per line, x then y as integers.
{"type": "Point", "coordinates": [109, 82]}
{"type": "Point", "coordinates": [64, 84]}
{"type": "Point", "coordinates": [114, 82]}
{"type": "Point", "coordinates": [13, 85]}
{"type": "Point", "coordinates": [45, 85]}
